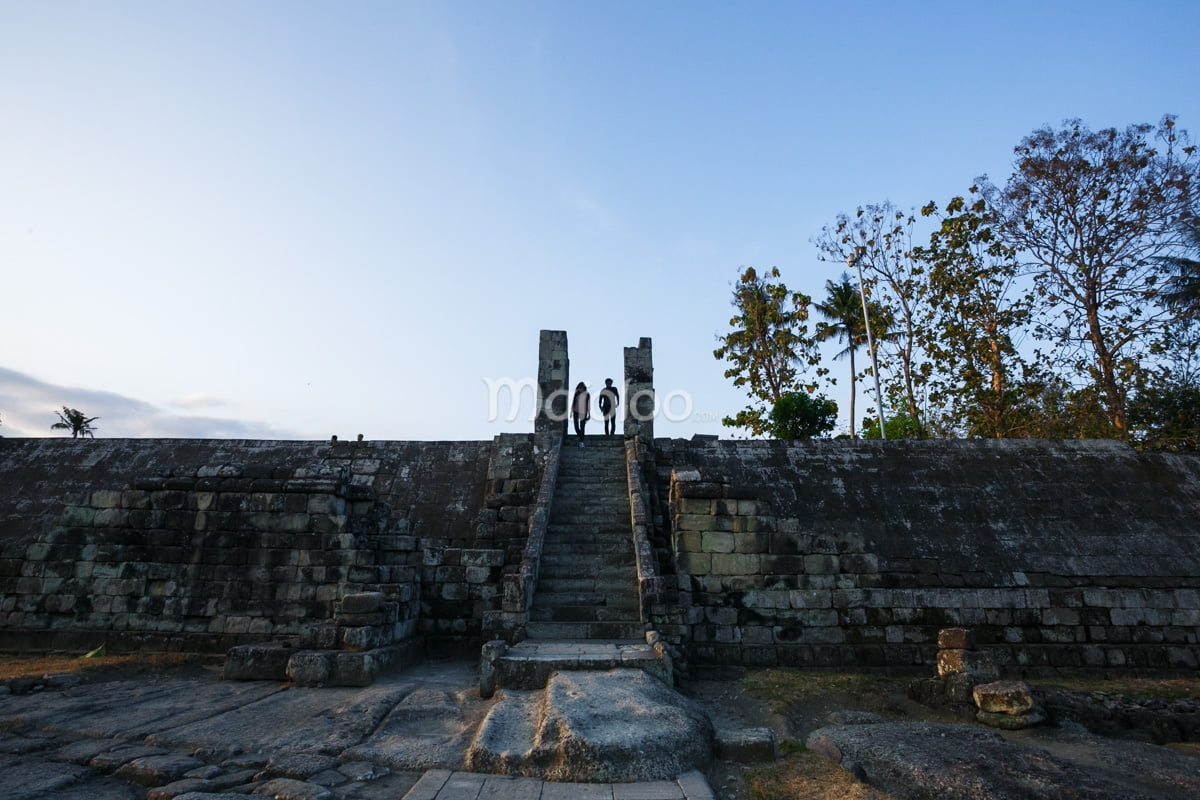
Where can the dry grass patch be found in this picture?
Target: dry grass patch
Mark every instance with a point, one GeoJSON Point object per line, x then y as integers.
{"type": "Point", "coordinates": [1175, 688]}
{"type": "Point", "coordinates": [785, 687]}
{"type": "Point", "coordinates": [22, 666]}
{"type": "Point", "coordinates": [803, 775]}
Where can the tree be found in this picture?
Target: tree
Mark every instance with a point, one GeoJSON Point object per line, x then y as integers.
{"type": "Point", "coordinates": [843, 308]}
{"type": "Point", "coordinates": [881, 236]}
{"type": "Point", "coordinates": [1092, 214]}
{"type": "Point", "coordinates": [73, 420]}
{"type": "Point", "coordinates": [900, 424]}
{"type": "Point", "coordinates": [1182, 291]}
{"type": "Point", "coordinates": [799, 415]}
{"type": "Point", "coordinates": [769, 341]}
{"type": "Point", "coordinates": [981, 386]}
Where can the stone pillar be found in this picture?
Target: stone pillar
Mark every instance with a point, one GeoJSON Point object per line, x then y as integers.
{"type": "Point", "coordinates": [639, 391]}
{"type": "Point", "coordinates": [553, 391]}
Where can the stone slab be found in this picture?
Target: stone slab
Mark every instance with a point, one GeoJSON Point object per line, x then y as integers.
{"type": "Point", "coordinates": [446, 785]}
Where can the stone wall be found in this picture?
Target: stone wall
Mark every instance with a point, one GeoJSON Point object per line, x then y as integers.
{"type": "Point", "coordinates": [1058, 554]}
{"type": "Point", "coordinates": [204, 544]}
{"type": "Point", "coordinates": [826, 553]}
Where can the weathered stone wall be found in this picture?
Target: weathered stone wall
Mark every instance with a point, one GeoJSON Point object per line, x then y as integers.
{"type": "Point", "coordinates": [1058, 554]}
{"type": "Point", "coordinates": [204, 544]}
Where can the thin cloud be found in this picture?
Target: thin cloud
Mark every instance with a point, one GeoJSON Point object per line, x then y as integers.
{"type": "Point", "coordinates": [28, 406]}
{"type": "Point", "coordinates": [194, 401]}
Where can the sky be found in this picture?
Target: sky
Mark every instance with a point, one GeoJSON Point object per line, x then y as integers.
{"type": "Point", "coordinates": [301, 219]}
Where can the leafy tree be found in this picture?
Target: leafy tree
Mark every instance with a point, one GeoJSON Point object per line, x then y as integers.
{"type": "Point", "coordinates": [900, 424]}
{"type": "Point", "coordinates": [799, 415]}
{"type": "Point", "coordinates": [843, 309]}
{"type": "Point", "coordinates": [1182, 291]}
{"type": "Point", "coordinates": [981, 384]}
{"type": "Point", "coordinates": [769, 342]}
{"type": "Point", "coordinates": [1167, 417]}
{"type": "Point", "coordinates": [1092, 214]}
{"type": "Point", "coordinates": [881, 236]}
{"type": "Point", "coordinates": [73, 420]}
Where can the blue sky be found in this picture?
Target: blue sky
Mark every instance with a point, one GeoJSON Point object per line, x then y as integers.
{"type": "Point", "coordinates": [297, 219]}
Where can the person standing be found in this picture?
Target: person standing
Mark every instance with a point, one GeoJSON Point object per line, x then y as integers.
{"type": "Point", "coordinates": [581, 409]}
{"type": "Point", "coordinates": [609, 400]}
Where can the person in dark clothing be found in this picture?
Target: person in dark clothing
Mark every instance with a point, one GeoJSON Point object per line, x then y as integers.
{"type": "Point", "coordinates": [609, 400]}
{"type": "Point", "coordinates": [581, 409]}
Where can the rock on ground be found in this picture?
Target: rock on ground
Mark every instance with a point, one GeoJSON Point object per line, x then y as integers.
{"type": "Point", "coordinates": [611, 726]}
{"type": "Point", "coordinates": [966, 762]}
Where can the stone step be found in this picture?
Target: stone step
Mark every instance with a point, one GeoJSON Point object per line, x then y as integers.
{"type": "Point", "coordinates": [585, 546]}
{"type": "Point", "coordinates": [593, 598]}
{"type": "Point", "coordinates": [594, 522]}
{"type": "Point", "coordinates": [585, 630]}
{"type": "Point", "coordinates": [595, 561]}
{"type": "Point", "coordinates": [611, 527]}
{"type": "Point", "coordinates": [583, 614]}
{"type": "Point", "coordinates": [611, 572]}
{"type": "Point", "coordinates": [574, 510]}
{"type": "Point", "coordinates": [589, 503]}
{"type": "Point", "coordinates": [587, 540]}
{"type": "Point", "coordinates": [583, 583]}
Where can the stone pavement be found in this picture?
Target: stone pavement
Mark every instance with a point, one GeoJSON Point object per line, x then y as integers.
{"type": "Point", "coordinates": [441, 784]}
{"type": "Point", "coordinates": [201, 738]}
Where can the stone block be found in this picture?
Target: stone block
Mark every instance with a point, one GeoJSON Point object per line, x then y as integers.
{"type": "Point", "coordinates": [821, 564]}
{"type": "Point", "coordinates": [1011, 722]}
{"type": "Point", "coordinates": [257, 662]}
{"type": "Point", "coordinates": [695, 563]}
{"type": "Point", "coordinates": [362, 603]}
{"type": "Point", "coordinates": [482, 558]}
{"type": "Point", "coordinates": [717, 542]}
{"type": "Point", "coordinates": [745, 745]}
{"type": "Point", "coordinates": [105, 498]}
{"type": "Point", "coordinates": [735, 564]}
{"type": "Point", "coordinates": [695, 505]}
{"type": "Point", "coordinates": [980, 666]}
{"type": "Point", "coordinates": [311, 668]}
{"type": "Point", "coordinates": [478, 575]}
{"type": "Point", "coordinates": [956, 639]}
{"type": "Point", "coordinates": [750, 542]}
{"type": "Point", "coordinates": [365, 638]}
{"type": "Point", "coordinates": [1003, 697]}
{"type": "Point", "coordinates": [747, 508]}
{"type": "Point", "coordinates": [695, 522]}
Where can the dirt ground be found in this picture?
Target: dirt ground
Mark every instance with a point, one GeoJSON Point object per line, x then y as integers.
{"type": "Point", "coordinates": [799, 774]}
{"type": "Point", "coordinates": [790, 703]}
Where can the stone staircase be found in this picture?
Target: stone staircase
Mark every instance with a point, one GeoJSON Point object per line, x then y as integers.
{"type": "Point", "coordinates": [587, 585]}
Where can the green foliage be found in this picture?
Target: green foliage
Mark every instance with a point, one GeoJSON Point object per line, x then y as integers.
{"type": "Point", "coordinates": [768, 344]}
{"type": "Point", "coordinates": [799, 415]}
{"type": "Point", "coordinates": [881, 237]}
{"type": "Point", "coordinates": [843, 310]}
{"type": "Point", "coordinates": [982, 385]}
{"type": "Point", "coordinates": [1167, 418]}
{"type": "Point", "coordinates": [1093, 213]}
{"type": "Point", "coordinates": [73, 420]}
{"type": "Point", "coordinates": [900, 425]}
{"type": "Point", "coordinates": [1181, 293]}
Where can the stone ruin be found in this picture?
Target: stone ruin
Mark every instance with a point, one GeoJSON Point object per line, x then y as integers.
{"type": "Point", "coordinates": [1059, 555]}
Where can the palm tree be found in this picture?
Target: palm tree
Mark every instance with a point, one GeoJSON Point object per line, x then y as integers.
{"type": "Point", "coordinates": [73, 420]}
{"type": "Point", "coordinates": [1182, 292]}
{"type": "Point", "coordinates": [842, 306]}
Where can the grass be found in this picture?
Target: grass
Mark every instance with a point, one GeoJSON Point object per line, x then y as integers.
{"type": "Point", "coordinates": [784, 687]}
{"type": "Point", "coordinates": [803, 775]}
{"type": "Point", "coordinates": [23, 666]}
{"type": "Point", "coordinates": [1179, 688]}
